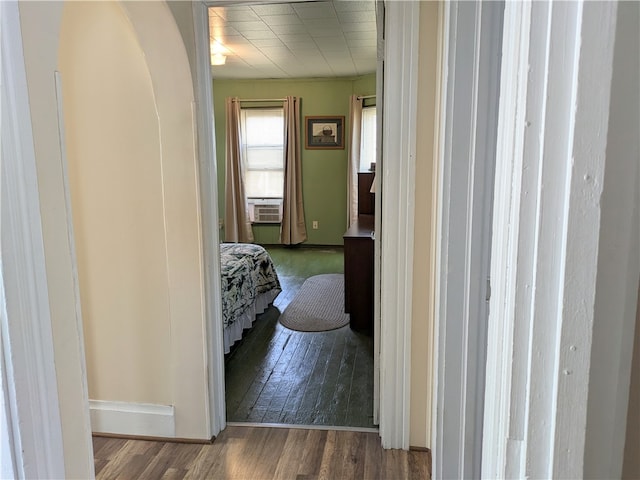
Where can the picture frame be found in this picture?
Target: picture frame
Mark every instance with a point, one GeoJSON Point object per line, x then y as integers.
{"type": "Point", "coordinates": [324, 132]}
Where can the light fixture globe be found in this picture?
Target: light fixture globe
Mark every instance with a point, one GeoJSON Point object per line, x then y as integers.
{"type": "Point", "coordinates": [218, 59]}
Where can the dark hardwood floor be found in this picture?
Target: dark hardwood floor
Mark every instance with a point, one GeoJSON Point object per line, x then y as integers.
{"type": "Point", "coordinates": [256, 453]}
{"type": "Point", "coordinates": [277, 375]}
{"type": "Point", "coordinates": [320, 378]}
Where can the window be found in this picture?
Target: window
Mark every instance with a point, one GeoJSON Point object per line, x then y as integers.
{"type": "Point", "coordinates": [262, 151]}
{"type": "Point", "coordinates": [368, 138]}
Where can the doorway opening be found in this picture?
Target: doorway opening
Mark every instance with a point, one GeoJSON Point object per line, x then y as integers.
{"type": "Point", "coordinates": [271, 51]}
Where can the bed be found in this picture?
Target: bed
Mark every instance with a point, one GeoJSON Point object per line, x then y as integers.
{"type": "Point", "coordinates": [249, 285]}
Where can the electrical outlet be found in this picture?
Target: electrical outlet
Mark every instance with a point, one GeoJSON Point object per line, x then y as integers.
{"type": "Point", "coordinates": [315, 224]}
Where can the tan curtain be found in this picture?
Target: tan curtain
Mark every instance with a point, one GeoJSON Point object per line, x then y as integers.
{"type": "Point", "coordinates": [237, 227]}
{"type": "Point", "coordinates": [355, 121]}
{"type": "Point", "coordinates": [292, 229]}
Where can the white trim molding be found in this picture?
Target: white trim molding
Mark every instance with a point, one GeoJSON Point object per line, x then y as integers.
{"type": "Point", "coordinates": [507, 192]}
{"type": "Point", "coordinates": [471, 54]}
{"type": "Point", "coordinates": [554, 121]}
{"type": "Point", "coordinates": [137, 419]}
{"type": "Point", "coordinates": [207, 177]}
{"type": "Point", "coordinates": [25, 318]}
{"type": "Point", "coordinates": [398, 185]}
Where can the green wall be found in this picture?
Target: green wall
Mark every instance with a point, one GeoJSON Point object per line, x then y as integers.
{"type": "Point", "coordinates": [324, 172]}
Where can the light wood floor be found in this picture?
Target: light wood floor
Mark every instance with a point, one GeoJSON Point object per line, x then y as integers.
{"type": "Point", "coordinates": [255, 453]}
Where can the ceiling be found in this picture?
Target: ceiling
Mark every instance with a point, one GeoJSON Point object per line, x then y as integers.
{"type": "Point", "coordinates": [294, 40]}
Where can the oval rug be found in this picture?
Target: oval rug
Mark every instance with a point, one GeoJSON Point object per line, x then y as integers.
{"type": "Point", "coordinates": [318, 306]}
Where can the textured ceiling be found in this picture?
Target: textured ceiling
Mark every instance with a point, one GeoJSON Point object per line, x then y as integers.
{"type": "Point", "coordinates": [295, 40]}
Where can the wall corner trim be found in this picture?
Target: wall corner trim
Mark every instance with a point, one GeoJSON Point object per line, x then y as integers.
{"type": "Point", "coordinates": [126, 418]}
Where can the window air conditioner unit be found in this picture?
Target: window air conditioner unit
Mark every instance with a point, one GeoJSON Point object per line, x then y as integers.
{"type": "Point", "coordinates": [266, 212]}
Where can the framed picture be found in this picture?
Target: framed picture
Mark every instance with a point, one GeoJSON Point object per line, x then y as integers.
{"type": "Point", "coordinates": [324, 133]}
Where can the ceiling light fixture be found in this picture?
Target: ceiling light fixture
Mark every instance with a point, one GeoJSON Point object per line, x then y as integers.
{"type": "Point", "coordinates": [218, 59]}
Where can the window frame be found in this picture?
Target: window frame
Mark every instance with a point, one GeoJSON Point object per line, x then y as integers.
{"type": "Point", "coordinates": [252, 199]}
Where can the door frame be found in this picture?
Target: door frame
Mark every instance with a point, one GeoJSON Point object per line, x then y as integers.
{"type": "Point", "coordinates": [397, 182]}
{"type": "Point", "coordinates": [400, 87]}
{"type": "Point", "coordinates": [30, 400]}
{"type": "Point", "coordinates": [465, 172]}
{"type": "Point", "coordinates": [207, 178]}
{"type": "Point", "coordinates": [565, 254]}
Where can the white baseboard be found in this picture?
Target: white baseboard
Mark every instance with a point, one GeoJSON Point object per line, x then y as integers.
{"type": "Point", "coordinates": [124, 418]}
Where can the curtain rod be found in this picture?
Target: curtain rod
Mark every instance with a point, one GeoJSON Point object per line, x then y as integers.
{"type": "Point", "coordinates": [260, 99]}
{"type": "Point", "coordinates": [363, 97]}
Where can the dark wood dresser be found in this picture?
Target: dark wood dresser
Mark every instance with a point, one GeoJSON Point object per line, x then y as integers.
{"type": "Point", "coordinates": [358, 259]}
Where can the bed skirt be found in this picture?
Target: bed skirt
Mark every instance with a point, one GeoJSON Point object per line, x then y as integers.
{"type": "Point", "coordinates": [233, 332]}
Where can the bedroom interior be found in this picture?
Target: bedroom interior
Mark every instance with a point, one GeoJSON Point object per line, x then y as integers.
{"type": "Point", "coordinates": [275, 374]}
